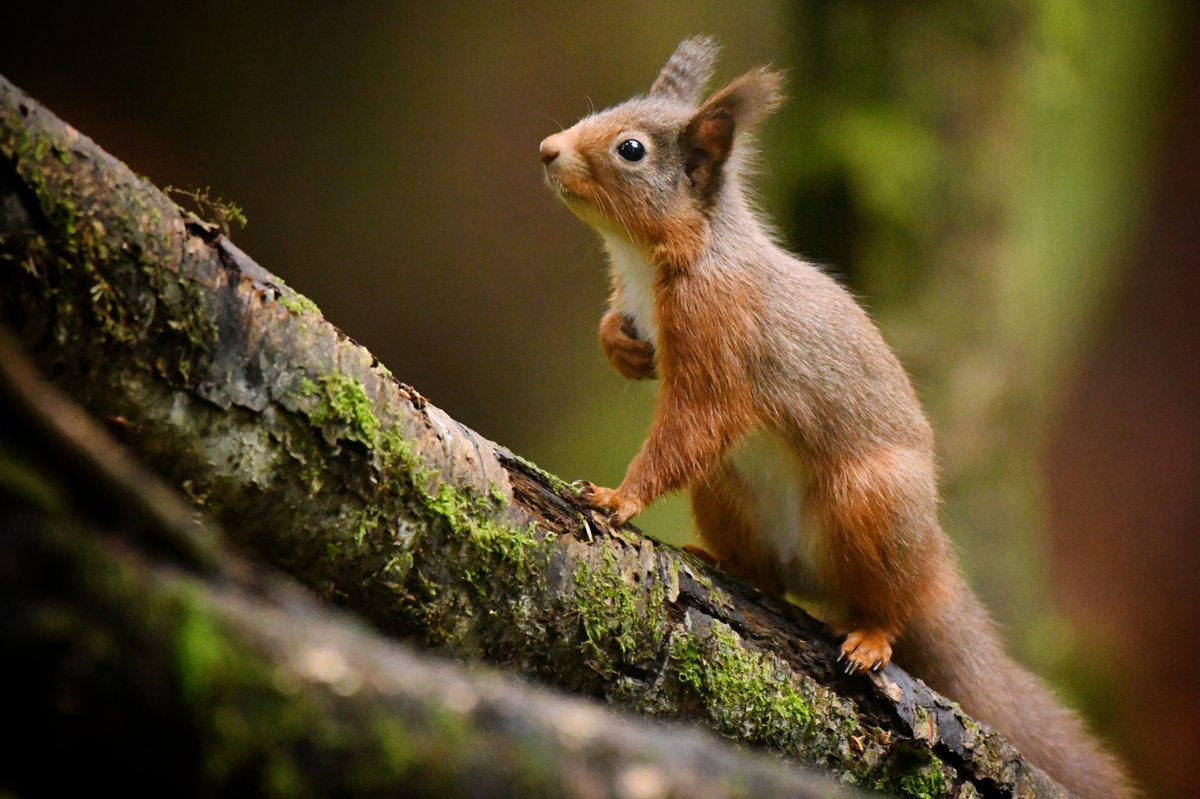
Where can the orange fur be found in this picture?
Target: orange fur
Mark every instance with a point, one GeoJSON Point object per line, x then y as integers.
{"type": "Point", "coordinates": [753, 346]}
{"type": "Point", "coordinates": [678, 241]}
{"type": "Point", "coordinates": [727, 526]}
{"type": "Point", "coordinates": [704, 404]}
{"type": "Point", "coordinates": [887, 558]}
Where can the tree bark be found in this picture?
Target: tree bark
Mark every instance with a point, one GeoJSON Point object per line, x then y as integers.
{"type": "Point", "coordinates": [193, 672]}
{"type": "Point", "coordinates": [313, 457]}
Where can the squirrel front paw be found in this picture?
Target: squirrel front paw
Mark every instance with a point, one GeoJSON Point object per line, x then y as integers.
{"type": "Point", "coordinates": [631, 356]}
{"type": "Point", "coordinates": [618, 506]}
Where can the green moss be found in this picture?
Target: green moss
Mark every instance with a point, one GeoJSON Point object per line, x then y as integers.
{"type": "Point", "coordinates": [614, 613]}
{"type": "Point", "coordinates": [405, 504]}
{"type": "Point", "coordinates": [687, 657]}
{"type": "Point", "coordinates": [90, 249]}
{"type": "Point", "coordinates": [258, 724]}
{"type": "Point", "coordinates": [342, 400]}
{"type": "Point", "coordinates": [744, 691]}
{"type": "Point", "coordinates": [282, 778]}
{"type": "Point", "coordinates": [914, 774]}
{"type": "Point", "coordinates": [208, 205]}
{"type": "Point", "coordinates": [929, 782]}
{"type": "Point", "coordinates": [396, 568]}
{"type": "Point", "coordinates": [247, 722]}
{"type": "Point", "coordinates": [408, 479]}
{"type": "Point", "coordinates": [749, 696]}
{"type": "Point", "coordinates": [396, 744]}
{"type": "Point", "coordinates": [513, 546]}
{"type": "Point", "coordinates": [298, 304]}
{"type": "Point", "coordinates": [462, 510]}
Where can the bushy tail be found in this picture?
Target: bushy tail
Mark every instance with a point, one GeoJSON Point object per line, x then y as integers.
{"type": "Point", "coordinates": [959, 654]}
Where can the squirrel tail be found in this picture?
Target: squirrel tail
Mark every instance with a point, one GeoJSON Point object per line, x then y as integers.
{"type": "Point", "coordinates": [958, 653]}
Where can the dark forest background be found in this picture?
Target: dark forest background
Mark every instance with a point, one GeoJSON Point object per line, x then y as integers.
{"type": "Point", "coordinates": [1012, 188]}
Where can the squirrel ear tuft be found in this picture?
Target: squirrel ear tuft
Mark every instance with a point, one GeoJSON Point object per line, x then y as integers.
{"type": "Point", "coordinates": [688, 70]}
{"type": "Point", "coordinates": [708, 137]}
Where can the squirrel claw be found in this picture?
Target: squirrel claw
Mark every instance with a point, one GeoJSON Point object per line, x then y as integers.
{"type": "Point", "coordinates": [626, 510]}
{"type": "Point", "coordinates": [619, 508]}
{"type": "Point", "coordinates": [867, 650]}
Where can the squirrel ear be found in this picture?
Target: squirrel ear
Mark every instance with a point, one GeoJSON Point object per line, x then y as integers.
{"type": "Point", "coordinates": [708, 137]}
{"type": "Point", "coordinates": [687, 71]}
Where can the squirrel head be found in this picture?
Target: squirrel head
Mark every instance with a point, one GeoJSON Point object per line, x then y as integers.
{"type": "Point", "coordinates": [653, 169]}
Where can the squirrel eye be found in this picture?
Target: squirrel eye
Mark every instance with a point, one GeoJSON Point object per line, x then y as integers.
{"type": "Point", "coordinates": [631, 150]}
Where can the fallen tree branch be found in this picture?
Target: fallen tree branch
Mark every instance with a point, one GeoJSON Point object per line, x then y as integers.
{"type": "Point", "coordinates": [204, 675]}
{"type": "Point", "coordinates": [307, 450]}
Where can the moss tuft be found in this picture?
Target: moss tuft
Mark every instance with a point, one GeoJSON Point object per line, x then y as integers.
{"type": "Point", "coordinates": [914, 774]}
{"type": "Point", "coordinates": [746, 693]}
{"type": "Point", "coordinates": [226, 212]}
{"type": "Point", "coordinates": [613, 613]}
{"type": "Point", "coordinates": [298, 304]}
{"type": "Point", "coordinates": [343, 401]}
{"type": "Point", "coordinates": [88, 249]}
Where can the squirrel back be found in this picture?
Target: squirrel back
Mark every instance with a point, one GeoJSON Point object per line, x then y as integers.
{"type": "Point", "coordinates": [781, 409]}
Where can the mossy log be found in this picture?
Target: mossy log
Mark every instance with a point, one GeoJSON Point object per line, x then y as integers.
{"type": "Point", "coordinates": [235, 389]}
{"type": "Point", "coordinates": [166, 665]}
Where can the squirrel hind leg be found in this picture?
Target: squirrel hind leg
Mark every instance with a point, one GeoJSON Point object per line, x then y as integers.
{"type": "Point", "coordinates": [886, 558]}
{"type": "Point", "coordinates": [866, 650]}
{"type": "Point", "coordinates": [703, 554]}
{"type": "Point", "coordinates": [728, 532]}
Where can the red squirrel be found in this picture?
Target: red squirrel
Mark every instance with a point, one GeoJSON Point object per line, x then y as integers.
{"type": "Point", "coordinates": [780, 408]}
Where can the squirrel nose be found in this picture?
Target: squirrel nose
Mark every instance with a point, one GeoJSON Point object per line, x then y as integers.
{"type": "Point", "coordinates": [550, 149]}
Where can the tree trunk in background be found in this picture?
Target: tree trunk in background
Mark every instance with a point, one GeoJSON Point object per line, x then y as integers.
{"type": "Point", "coordinates": [976, 176]}
{"type": "Point", "coordinates": [312, 456]}
{"type": "Point", "coordinates": [1123, 467]}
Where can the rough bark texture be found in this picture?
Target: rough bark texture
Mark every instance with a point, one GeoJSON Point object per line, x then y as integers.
{"type": "Point", "coordinates": [314, 457]}
{"type": "Point", "coordinates": [168, 666]}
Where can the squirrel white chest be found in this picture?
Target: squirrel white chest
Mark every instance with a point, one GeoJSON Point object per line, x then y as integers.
{"type": "Point", "coordinates": [777, 483]}
{"type": "Point", "coordinates": [634, 278]}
